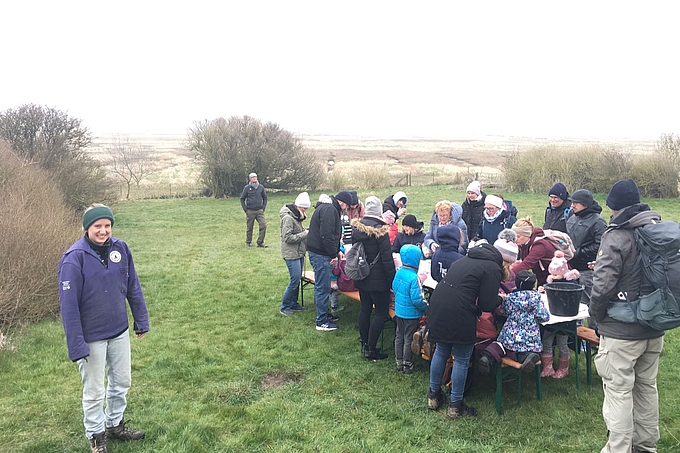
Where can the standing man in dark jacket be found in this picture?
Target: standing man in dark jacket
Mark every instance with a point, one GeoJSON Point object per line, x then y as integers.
{"type": "Point", "coordinates": [558, 208]}
{"type": "Point", "coordinates": [628, 360]}
{"type": "Point", "coordinates": [470, 287]}
{"type": "Point", "coordinates": [254, 202]}
{"type": "Point", "coordinates": [585, 226]}
{"type": "Point", "coordinates": [323, 247]}
{"type": "Point", "coordinates": [374, 290]}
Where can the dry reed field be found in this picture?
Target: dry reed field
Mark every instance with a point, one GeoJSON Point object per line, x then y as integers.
{"type": "Point", "coordinates": [479, 157]}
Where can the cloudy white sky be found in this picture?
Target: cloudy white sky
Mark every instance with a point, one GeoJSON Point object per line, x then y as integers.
{"type": "Point", "coordinates": [374, 68]}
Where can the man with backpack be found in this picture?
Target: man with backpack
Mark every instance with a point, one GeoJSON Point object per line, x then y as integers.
{"type": "Point", "coordinates": [629, 352]}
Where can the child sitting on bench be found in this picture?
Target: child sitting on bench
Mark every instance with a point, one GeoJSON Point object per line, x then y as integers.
{"type": "Point", "coordinates": [520, 337]}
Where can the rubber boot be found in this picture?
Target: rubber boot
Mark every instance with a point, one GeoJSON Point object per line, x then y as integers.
{"type": "Point", "coordinates": [547, 361]}
{"type": "Point", "coordinates": [563, 368]}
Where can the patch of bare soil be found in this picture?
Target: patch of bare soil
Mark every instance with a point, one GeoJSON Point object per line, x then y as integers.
{"type": "Point", "coordinates": [278, 379]}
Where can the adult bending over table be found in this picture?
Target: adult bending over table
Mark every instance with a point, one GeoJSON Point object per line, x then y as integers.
{"type": "Point", "coordinates": [469, 288]}
{"type": "Point", "coordinates": [375, 289]}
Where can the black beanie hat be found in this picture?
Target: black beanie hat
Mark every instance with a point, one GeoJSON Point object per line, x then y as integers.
{"type": "Point", "coordinates": [559, 190]}
{"type": "Point", "coordinates": [345, 197]}
{"type": "Point", "coordinates": [525, 280]}
{"type": "Point", "coordinates": [355, 197]}
{"type": "Point", "coordinates": [582, 196]}
{"type": "Point", "coordinates": [410, 220]}
{"type": "Point", "coordinates": [623, 193]}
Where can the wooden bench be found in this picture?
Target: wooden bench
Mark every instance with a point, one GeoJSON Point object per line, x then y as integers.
{"type": "Point", "coordinates": [509, 370]}
{"type": "Point", "coordinates": [592, 341]}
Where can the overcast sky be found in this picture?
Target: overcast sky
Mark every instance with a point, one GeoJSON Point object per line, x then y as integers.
{"type": "Point", "coordinates": [373, 68]}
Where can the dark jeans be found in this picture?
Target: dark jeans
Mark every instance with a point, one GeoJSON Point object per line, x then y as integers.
{"type": "Point", "coordinates": [370, 329]}
{"type": "Point", "coordinates": [402, 340]}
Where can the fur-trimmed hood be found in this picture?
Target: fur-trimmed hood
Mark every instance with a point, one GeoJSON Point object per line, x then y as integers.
{"type": "Point", "coordinates": [371, 226]}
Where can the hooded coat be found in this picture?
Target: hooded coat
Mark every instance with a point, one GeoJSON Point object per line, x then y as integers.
{"type": "Point", "coordinates": [456, 219]}
{"type": "Point", "coordinates": [585, 229]}
{"type": "Point", "coordinates": [469, 288]}
{"type": "Point", "coordinates": [374, 233]}
{"type": "Point", "coordinates": [447, 253]}
{"type": "Point", "coordinates": [325, 228]}
{"type": "Point", "coordinates": [473, 214]}
{"type": "Point", "coordinates": [293, 234]}
{"type": "Point", "coordinates": [409, 300]}
{"type": "Point", "coordinates": [535, 256]}
{"type": "Point", "coordinates": [390, 203]}
{"type": "Point", "coordinates": [417, 238]}
{"type": "Point", "coordinates": [616, 270]}
{"type": "Point", "coordinates": [506, 219]}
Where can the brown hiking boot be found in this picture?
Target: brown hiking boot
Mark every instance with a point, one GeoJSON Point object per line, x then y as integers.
{"type": "Point", "coordinates": [122, 432]}
{"type": "Point", "coordinates": [434, 400]}
{"type": "Point", "coordinates": [98, 443]}
{"type": "Point", "coordinates": [459, 409]}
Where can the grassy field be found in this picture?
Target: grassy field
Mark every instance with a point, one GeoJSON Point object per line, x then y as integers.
{"type": "Point", "coordinates": [222, 371]}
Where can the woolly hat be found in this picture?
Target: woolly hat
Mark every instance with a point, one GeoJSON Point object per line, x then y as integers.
{"type": "Point", "coordinates": [507, 246]}
{"type": "Point", "coordinates": [559, 190]}
{"type": "Point", "coordinates": [475, 187]}
{"type": "Point", "coordinates": [582, 196]}
{"type": "Point", "coordinates": [558, 265]}
{"type": "Point", "coordinates": [303, 200]}
{"type": "Point", "coordinates": [475, 243]}
{"type": "Point", "coordinates": [410, 220]}
{"type": "Point", "coordinates": [399, 196]}
{"type": "Point", "coordinates": [525, 280]}
{"type": "Point", "coordinates": [494, 200]}
{"type": "Point", "coordinates": [373, 206]}
{"type": "Point", "coordinates": [623, 193]}
{"type": "Point", "coordinates": [252, 175]}
{"type": "Point", "coordinates": [345, 197]}
{"type": "Point", "coordinates": [96, 213]}
{"type": "Point", "coordinates": [389, 217]}
{"type": "Point", "coordinates": [355, 197]}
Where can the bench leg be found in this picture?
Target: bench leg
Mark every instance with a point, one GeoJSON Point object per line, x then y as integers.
{"type": "Point", "coordinates": [519, 386]}
{"type": "Point", "coordinates": [499, 389]}
{"type": "Point", "coordinates": [576, 355]}
{"type": "Point", "coordinates": [539, 389]}
{"type": "Point", "coordinates": [589, 369]}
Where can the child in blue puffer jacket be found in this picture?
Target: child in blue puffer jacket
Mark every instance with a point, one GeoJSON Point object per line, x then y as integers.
{"type": "Point", "coordinates": [410, 305]}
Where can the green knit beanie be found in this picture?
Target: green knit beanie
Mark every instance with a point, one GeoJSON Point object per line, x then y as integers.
{"type": "Point", "coordinates": [94, 214]}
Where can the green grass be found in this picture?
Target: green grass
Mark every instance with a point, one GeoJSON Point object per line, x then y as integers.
{"type": "Point", "coordinates": [216, 334]}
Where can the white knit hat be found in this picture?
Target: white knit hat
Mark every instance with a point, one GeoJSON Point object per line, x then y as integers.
{"type": "Point", "coordinates": [508, 250]}
{"type": "Point", "coordinates": [303, 200]}
{"type": "Point", "coordinates": [475, 187]}
{"type": "Point", "coordinates": [494, 200]}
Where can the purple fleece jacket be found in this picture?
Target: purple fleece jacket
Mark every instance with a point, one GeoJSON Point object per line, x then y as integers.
{"type": "Point", "coordinates": [92, 296]}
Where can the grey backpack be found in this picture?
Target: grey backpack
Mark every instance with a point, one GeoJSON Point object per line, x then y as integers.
{"type": "Point", "coordinates": [357, 266]}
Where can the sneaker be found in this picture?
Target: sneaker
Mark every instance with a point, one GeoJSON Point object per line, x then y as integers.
{"type": "Point", "coordinates": [247, 244]}
{"type": "Point", "coordinates": [435, 400]}
{"type": "Point", "coordinates": [298, 307]}
{"type": "Point", "coordinates": [374, 355]}
{"type": "Point", "coordinates": [484, 365]}
{"type": "Point", "coordinates": [286, 311]}
{"type": "Point", "coordinates": [262, 246]}
{"type": "Point", "coordinates": [98, 443]}
{"type": "Point", "coordinates": [529, 362]}
{"type": "Point", "coordinates": [408, 369]}
{"type": "Point", "coordinates": [337, 308]}
{"type": "Point", "coordinates": [400, 367]}
{"type": "Point", "coordinates": [459, 410]}
{"type": "Point", "coordinates": [122, 432]}
{"type": "Point", "coordinates": [326, 326]}
{"type": "Point", "coordinates": [333, 318]}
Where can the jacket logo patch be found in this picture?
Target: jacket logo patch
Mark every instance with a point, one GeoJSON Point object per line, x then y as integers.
{"type": "Point", "coordinates": [115, 256]}
{"type": "Point", "coordinates": [65, 285]}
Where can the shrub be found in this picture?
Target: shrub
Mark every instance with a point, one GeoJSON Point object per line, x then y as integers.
{"type": "Point", "coordinates": [36, 227]}
{"type": "Point", "coordinates": [56, 142]}
{"type": "Point", "coordinates": [228, 150]}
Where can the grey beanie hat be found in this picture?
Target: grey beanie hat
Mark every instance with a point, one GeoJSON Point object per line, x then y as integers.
{"type": "Point", "coordinates": [582, 196]}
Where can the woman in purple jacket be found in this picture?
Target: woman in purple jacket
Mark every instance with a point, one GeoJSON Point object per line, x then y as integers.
{"type": "Point", "coordinates": [96, 276]}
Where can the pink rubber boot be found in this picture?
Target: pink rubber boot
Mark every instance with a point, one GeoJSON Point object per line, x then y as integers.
{"type": "Point", "coordinates": [547, 362]}
{"type": "Point", "coordinates": [563, 368]}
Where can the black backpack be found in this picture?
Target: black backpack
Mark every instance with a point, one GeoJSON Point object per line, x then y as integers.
{"type": "Point", "coordinates": [657, 306]}
{"type": "Point", "coordinates": [357, 266]}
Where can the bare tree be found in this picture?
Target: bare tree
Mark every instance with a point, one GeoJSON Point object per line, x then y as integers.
{"type": "Point", "coordinates": [130, 161]}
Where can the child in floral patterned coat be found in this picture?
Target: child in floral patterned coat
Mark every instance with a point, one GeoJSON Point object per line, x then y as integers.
{"type": "Point", "coordinates": [520, 337]}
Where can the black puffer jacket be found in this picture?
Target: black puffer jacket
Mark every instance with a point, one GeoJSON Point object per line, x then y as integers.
{"type": "Point", "coordinates": [556, 219]}
{"type": "Point", "coordinates": [585, 229]}
{"type": "Point", "coordinates": [473, 213]}
{"type": "Point", "coordinates": [470, 287]}
{"type": "Point", "coordinates": [325, 229]}
{"type": "Point", "coordinates": [374, 233]}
